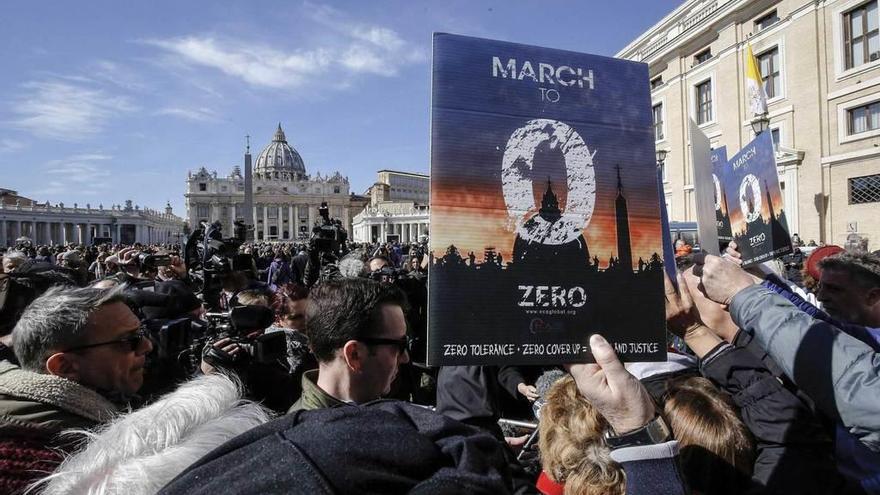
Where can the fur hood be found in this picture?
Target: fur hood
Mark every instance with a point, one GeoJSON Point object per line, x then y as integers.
{"type": "Point", "coordinates": [64, 394]}
{"type": "Point", "coordinates": [140, 452]}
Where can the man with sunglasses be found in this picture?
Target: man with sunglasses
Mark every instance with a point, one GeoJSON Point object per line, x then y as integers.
{"type": "Point", "coordinates": [357, 331]}
{"type": "Point", "coordinates": [82, 353]}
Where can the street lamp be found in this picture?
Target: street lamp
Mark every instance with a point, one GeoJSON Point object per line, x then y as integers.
{"type": "Point", "coordinates": [760, 123]}
{"type": "Point", "coordinates": [661, 163]}
{"type": "Point", "coordinates": [661, 156]}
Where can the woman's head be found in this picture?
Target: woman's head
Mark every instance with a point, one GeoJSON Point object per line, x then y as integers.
{"type": "Point", "coordinates": [573, 451]}
{"type": "Point", "coordinates": [717, 451]}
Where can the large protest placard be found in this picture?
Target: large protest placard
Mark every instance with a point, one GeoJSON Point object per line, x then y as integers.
{"type": "Point", "coordinates": [544, 219]}
{"type": "Point", "coordinates": [722, 218]}
{"type": "Point", "coordinates": [757, 215]}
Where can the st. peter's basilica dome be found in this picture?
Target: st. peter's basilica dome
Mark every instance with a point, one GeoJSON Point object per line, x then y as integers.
{"type": "Point", "coordinates": [279, 160]}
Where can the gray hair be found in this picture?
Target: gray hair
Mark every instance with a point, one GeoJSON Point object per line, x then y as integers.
{"type": "Point", "coordinates": [16, 257]}
{"type": "Point", "coordinates": [57, 320]}
{"type": "Point", "coordinates": [864, 268]}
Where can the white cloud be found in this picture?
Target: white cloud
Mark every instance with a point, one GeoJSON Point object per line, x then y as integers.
{"type": "Point", "coordinates": [116, 74]}
{"type": "Point", "coordinates": [201, 114]}
{"type": "Point", "coordinates": [355, 50]}
{"type": "Point", "coordinates": [66, 109]}
{"type": "Point", "coordinates": [10, 145]}
{"type": "Point", "coordinates": [255, 64]}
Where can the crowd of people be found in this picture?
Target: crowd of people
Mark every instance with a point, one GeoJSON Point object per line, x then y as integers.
{"type": "Point", "coordinates": [299, 368]}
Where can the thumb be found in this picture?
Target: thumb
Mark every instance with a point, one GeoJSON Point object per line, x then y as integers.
{"type": "Point", "coordinates": [605, 356]}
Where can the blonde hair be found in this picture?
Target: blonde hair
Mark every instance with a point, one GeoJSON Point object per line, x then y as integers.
{"type": "Point", "coordinates": [253, 297]}
{"type": "Point", "coordinates": [717, 450]}
{"type": "Point", "coordinates": [573, 451]}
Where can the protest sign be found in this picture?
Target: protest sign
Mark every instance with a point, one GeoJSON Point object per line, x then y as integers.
{"type": "Point", "coordinates": [722, 218]}
{"type": "Point", "coordinates": [704, 188]}
{"type": "Point", "coordinates": [544, 219]}
{"type": "Point", "coordinates": [757, 215]}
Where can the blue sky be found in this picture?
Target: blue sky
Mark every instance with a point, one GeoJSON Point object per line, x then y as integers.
{"type": "Point", "coordinates": [104, 101]}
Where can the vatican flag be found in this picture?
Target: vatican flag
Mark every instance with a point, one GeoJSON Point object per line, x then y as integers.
{"type": "Point", "coordinates": [755, 85]}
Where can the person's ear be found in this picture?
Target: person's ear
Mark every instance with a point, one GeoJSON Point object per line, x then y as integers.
{"type": "Point", "coordinates": [353, 355]}
{"type": "Point", "coordinates": [63, 364]}
{"type": "Point", "coordinates": [872, 297]}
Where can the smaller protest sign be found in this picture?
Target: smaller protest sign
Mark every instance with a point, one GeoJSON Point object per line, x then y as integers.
{"type": "Point", "coordinates": [703, 189]}
{"type": "Point", "coordinates": [757, 215]}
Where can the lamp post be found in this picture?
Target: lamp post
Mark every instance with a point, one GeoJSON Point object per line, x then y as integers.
{"type": "Point", "coordinates": [760, 123]}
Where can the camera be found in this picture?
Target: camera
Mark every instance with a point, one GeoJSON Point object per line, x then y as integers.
{"type": "Point", "coordinates": [188, 341]}
{"type": "Point", "coordinates": [210, 257]}
{"type": "Point", "coordinates": [148, 261]}
{"type": "Point", "coordinates": [329, 236]}
{"type": "Point", "coordinates": [386, 274]}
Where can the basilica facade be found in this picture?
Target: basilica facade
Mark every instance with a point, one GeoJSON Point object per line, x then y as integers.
{"type": "Point", "coordinates": [286, 198]}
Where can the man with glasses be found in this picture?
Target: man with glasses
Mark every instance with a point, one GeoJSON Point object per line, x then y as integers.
{"type": "Point", "coordinates": [82, 353]}
{"type": "Point", "coordinates": [357, 331]}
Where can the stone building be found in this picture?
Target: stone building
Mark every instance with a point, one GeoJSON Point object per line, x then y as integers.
{"type": "Point", "coordinates": [820, 61]}
{"type": "Point", "coordinates": [286, 198]}
{"type": "Point", "coordinates": [59, 224]}
{"type": "Point", "coordinates": [398, 208]}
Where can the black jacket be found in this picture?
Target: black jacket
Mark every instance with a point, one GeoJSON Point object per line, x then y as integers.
{"type": "Point", "coordinates": [794, 452]}
{"type": "Point", "coordinates": [381, 447]}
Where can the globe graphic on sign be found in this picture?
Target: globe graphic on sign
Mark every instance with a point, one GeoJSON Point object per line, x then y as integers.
{"type": "Point", "coordinates": [750, 198]}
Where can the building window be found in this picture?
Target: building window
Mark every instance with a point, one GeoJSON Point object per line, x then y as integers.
{"type": "Point", "coordinates": [863, 119]}
{"type": "Point", "coordinates": [704, 102]}
{"type": "Point", "coordinates": [658, 122]}
{"type": "Point", "coordinates": [864, 189]}
{"type": "Point", "coordinates": [703, 56]}
{"type": "Point", "coordinates": [861, 36]}
{"type": "Point", "coordinates": [222, 188]}
{"type": "Point", "coordinates": [656, 82]}
{"type": "Point", "coordinates": [774, 134]}
{"type": "Point", "coordinates": [336, 189]}
{"type": "Point", "coordinates": [766, 21]}
{"type": "Point", "coordinates": [768, 62]}
{"type": "Point", "coordinates": [202, 211]}
{"type": "Point", "coordinates": [203, 186]}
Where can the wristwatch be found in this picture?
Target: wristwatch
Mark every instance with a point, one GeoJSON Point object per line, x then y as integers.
{"type": "Point", "coordinates": [652, 433]}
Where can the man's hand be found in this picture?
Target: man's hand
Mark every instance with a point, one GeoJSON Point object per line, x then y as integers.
{"type": "Point", "coordinates": [732, 253]}
{"type": "Point", "coordinates": [612, 390]}
{"type": "Point", "coordinates": [175, 271]}
{"type": "Point", "coordinates": [681, 314]}
{"type": "Point", "coordinates": [128, 261]}
{"type": "Point", "coordinates": [721, 279]}
{"type": "Point", "coordinates": [228, 347]}
{"type": "Point", "coordinates": [528, 391]}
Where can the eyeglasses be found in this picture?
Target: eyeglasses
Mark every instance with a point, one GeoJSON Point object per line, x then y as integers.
{"type": "Point", "coordinates": [403, 344]}
{"type": "Point", "coordinates": [133, 341]}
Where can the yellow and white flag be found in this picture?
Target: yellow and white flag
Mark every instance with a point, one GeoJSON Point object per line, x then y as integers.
{"type": "Point", "coordinates": [755, 85]}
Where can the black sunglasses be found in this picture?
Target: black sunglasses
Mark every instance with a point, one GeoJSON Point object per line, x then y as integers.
{"type": "Point", "coordinates": [133, 341]}
{"type": "Point", "coordinates": [403, 344]}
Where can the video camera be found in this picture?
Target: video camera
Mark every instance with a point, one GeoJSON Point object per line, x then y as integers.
{"type": "Point", "coordinates": [148, 261]}
{"type": "Point", "coordinates": [209, 256]}
{"type": "Point", "coordinates": [189, 341]}
{"type": "Point", "coordinates": [386, 274]}
{"type": "Point", "coordinates": [329, 236]}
